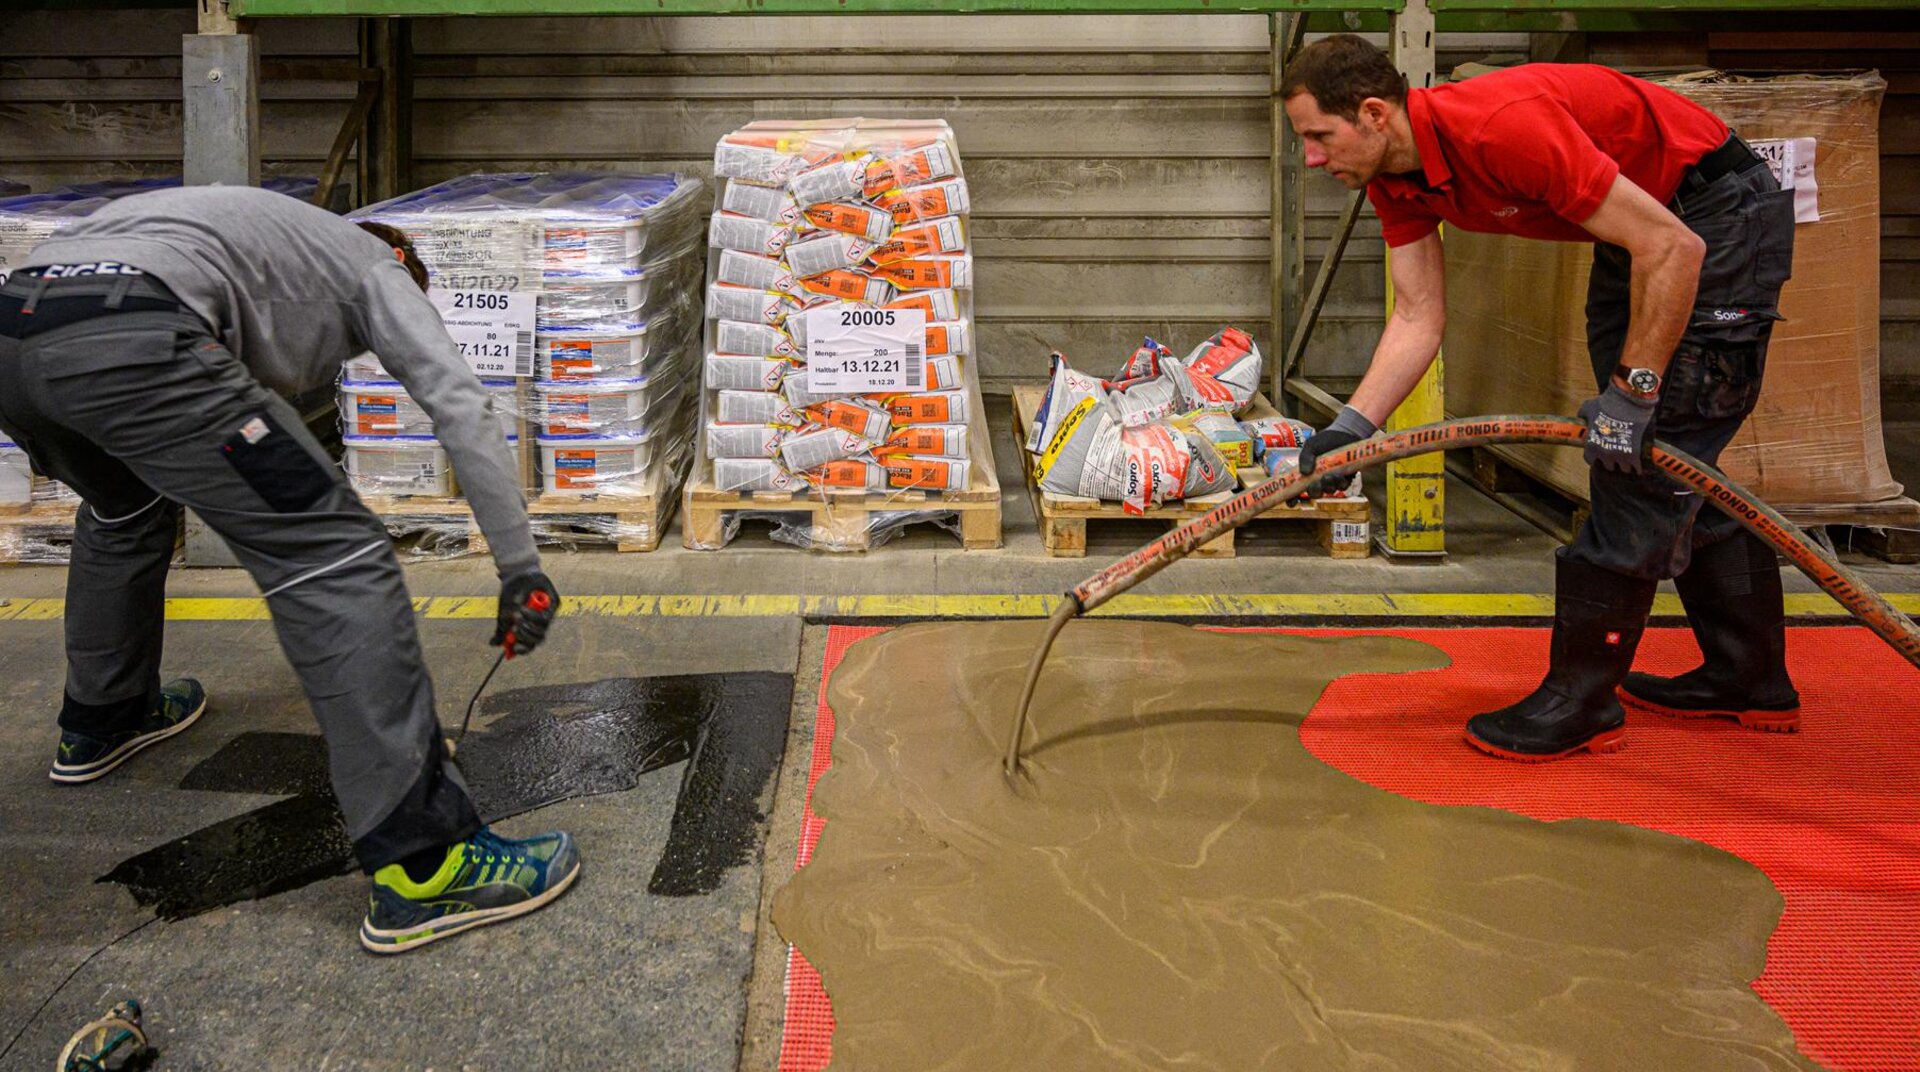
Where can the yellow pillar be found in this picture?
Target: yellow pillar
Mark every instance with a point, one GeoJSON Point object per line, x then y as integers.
{"type": "Point", "coordinates": [1416, 487]}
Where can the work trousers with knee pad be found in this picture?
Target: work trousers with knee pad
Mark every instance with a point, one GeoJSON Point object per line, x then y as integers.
{"type": "Point", "coordinates": [1647, 526]}
{"type": "Point", "coordinates": [144, 412]}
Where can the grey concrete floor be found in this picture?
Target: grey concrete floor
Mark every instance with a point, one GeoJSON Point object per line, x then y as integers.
{"type": "Point", "coordinates": [610, 976]}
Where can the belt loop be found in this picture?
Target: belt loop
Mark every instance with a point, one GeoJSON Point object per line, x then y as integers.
{"type": "Point", "coordinates": [40, 285]}
{"type": "Point", "coordinates": [118, 295]}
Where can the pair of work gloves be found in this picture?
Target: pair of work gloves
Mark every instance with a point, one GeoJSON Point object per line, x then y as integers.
{"type": "Point", "coordinates": [1619, 427]}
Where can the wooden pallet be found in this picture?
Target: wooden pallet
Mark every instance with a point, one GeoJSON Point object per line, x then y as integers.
{"type": "Point", "coordinates": [1343, 525]}
{"type": "Point", "coordinates": [637, 520]}
{"type": "Point", "coordinates": [36, 532]}
{"type": "Point", "coordinates": [843, 520]}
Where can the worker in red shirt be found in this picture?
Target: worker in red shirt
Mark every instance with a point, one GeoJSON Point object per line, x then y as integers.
{"type": "Point", "coordinates": [1693, 240]}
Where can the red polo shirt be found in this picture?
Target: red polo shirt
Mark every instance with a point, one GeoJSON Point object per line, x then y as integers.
{"type": "Point", "coordinates": [1533, 150]}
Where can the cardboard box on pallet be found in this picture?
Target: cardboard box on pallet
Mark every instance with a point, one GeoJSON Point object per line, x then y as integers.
{"type": "Point", "coordinates": [1516, 324]}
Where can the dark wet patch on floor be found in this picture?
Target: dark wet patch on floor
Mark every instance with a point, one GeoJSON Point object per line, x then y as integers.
{"type": "Point", "coordinates": [541, 745]}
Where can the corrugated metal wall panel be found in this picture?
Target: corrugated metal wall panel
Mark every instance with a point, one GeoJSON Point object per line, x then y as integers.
{"type": "Point", "coordinates": [1119, 165]}
{"type": "Point", "coordinates": [96, 95]}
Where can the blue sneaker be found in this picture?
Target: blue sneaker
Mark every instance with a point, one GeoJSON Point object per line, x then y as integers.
{"type": "Point", "coordinates": [484, 879]}
{"type": "Point", "coordinates": [82, 758]}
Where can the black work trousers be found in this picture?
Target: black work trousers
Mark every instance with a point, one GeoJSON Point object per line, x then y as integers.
{"type": "Point", "coordinates": [1647, 526]}
{"type": "Point", "coordinates": [142, 412]}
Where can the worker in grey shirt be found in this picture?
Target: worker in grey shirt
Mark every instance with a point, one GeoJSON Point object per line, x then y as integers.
{"type": "Point", "coordinates": [140, 352]}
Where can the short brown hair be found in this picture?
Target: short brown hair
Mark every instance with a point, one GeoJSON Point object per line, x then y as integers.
{"type": "Point", "coordinates": [1340, 72]}
{"type": "Point", "coordinates": [395, 237]}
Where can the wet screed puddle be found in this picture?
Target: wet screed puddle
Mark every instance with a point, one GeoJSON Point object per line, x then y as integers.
{"type": "Point", "coordinates": [531, 747]}
{"type": "Point", "coordinates": [1176, 882]}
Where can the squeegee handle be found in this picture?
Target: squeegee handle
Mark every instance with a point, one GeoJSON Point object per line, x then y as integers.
{"type": "Point", "coordinates": [1755, 516]}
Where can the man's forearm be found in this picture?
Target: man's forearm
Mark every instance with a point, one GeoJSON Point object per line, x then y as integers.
{"type": "Point", "coordinates": [1407, 348]}
{"type": "Point", "coordinates": [1663, 288]}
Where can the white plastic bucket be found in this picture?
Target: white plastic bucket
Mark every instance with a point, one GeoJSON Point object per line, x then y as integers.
{"type": "Point", "coordinates": [384, 408]}
{"type": "Point", "coordinates": [595, 353]}
{"type": "Point", "coordinates": [616, 408]}
{"type": "Point", "coordinates": [588, 465]}
{"type": "Point", "coordinates": [398, 465]}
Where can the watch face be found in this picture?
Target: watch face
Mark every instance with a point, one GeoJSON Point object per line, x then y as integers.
{"type": "Point", "coordinates": [1645, 381]}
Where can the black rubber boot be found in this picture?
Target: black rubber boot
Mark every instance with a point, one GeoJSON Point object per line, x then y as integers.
{"type": "Point", "coordinates": [1598, 616]}
{"type": "Point", "coordinates": [1734, 604]}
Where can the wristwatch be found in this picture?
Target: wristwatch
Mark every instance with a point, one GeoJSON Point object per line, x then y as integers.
{"type": "Point", "coordinates": [1641, 381]}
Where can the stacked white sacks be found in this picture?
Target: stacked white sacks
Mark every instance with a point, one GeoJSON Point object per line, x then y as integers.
{"type": "Point", "coordinates": [843, 218]}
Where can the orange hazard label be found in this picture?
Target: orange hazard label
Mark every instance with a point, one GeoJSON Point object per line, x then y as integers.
{"type": "Point", "coordinates": [917, 275]}
{"type": "Point", "coordinates": [920, 203]}
{"type": "Point", "coordinates": [841, 283]}
{"type": "Point", "coordinates": [847, 473]}
{"type": "Point", "coordinates": [918, 473]}
{"type": "Point", "coordinates": [921, 409]}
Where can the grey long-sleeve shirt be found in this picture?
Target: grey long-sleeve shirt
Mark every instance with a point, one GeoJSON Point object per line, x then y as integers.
{"type": "Point", "coordinates": [294, 292]}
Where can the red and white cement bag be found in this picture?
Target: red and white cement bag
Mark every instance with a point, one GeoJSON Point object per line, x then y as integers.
{"type": "Point", "coordinates": [912, 168]}
{"type": "Point", "coordinates": [1225, 367]}
{"type": "Point", "coordinates": [1278, 433]}
{"type": "Point", "coordinates": [1145, 363]}
{"type": "Point", "coordinates": [943, 374]}
{"type": "Point", "coordinates": [928, 273]}
{"type": "Point", "coordinates": [1090, 453]}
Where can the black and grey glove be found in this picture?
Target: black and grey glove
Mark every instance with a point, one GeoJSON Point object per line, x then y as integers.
{"type": "Point", "coordinates": [528, 603]}
{"type": "Point", "coordinates": [1350, 427]}
{"type": "Point", "coordinates": [1619, 427]}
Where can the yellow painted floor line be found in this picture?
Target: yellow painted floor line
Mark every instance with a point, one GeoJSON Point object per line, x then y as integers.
{"type": "Point", "coordinates": [1276, 605]}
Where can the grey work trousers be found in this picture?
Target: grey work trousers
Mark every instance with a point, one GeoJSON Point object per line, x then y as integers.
{"type": "Point", "coordinates": [1647, 526]}
{"type": "Point", "coordinates": [144, 412]}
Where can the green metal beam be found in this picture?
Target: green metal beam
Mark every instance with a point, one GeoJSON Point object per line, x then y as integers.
{"type": "Point", "coordinates": [262, 8]}
{"type": "Point", "coordinates": [1669, 6]}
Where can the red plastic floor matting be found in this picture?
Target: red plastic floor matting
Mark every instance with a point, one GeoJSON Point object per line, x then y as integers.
{"type": "Point", "coordinates": [1831, 814]}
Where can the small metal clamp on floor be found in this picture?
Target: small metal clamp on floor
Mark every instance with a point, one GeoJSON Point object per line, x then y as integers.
{"type": "Point", "coordinates": [114, 1041]}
